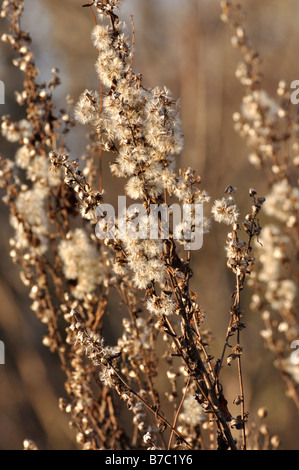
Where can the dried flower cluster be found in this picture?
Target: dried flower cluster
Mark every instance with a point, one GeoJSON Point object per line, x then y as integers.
{"type": "Point", "coordinates": [269, 126]}
{"type": "Point", "coordinates": [175, 398]}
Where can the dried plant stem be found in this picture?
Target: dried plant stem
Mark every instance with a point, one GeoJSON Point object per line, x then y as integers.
{"type": "Point", "coordinates": [92, 12]}
{"type": "Point", "coordinates": [236, 308]}
{"type": "Point", "coordinates": [133, 41]}
{"type": "Point", "coordinates": [243, 415]}
{"type": "Point", "coordinates": [178, 412]}
{"type": "Point", "coordinates": [198, 371]}
{"type": "Point", "coordinates": [153, 410]}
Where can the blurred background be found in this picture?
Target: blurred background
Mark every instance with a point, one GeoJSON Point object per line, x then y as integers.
{"type": "Point", "coordinates": [184, 46]}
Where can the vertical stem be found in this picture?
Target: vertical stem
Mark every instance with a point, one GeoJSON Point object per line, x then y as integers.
{"type": "Point", "coordinates": [242, 401]}
{"type": "Point", "coordinates": [101, 150]}
{"type": "Point", "coordinates": [240, 376]}
{"type": "Point", "coordinates": [92, 12]}
{"type": "Point", "coordinates": [133, 41]}
{"type": "Point", "coordinates": [178, 412]}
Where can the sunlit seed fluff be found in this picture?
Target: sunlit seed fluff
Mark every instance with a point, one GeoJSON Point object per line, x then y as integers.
{"type": "Point", "coordinates": [225, 210]}
{"type": "Point", "coordinates": [161, 306]}
{"type": "Point", "coordinates": [281, 294]}
{"type": "Point", "coordinates": [39, 169]}
{"type": "Point", "coordinates": [201, 197]}
{"type": "Point", "coordinates": [14, 132]}
{"type": "Point", "coordinates": [255, 160]}
{"type": "Point", "coordinates": [22, 241]}
{"type": "Point", "coordinates": [87, 108]}
{"type": "Point", "coordinates": [109, 66]}
{"type": "Point", "coordinates": [206, 225]}
{"type": "Point", "coordinates": [101, 37]}
{"type": "Point", "coordinates": [30, 205]}
{"type": "Point", "coordinates": [87, 213]}
{"type": "Point", "coordinates": [135, 188]}
{"type": "Point", "coordinates": [154, 187]}
{"type": "Point", "coordinates": [145, 272]}
{"type": "Point", "coordinates": [151, 248]}
{"type": "Point", "coordinates": [260, 106]}
{"type": "Point", "coordinates": [272, 249]}
{"type": "Point", "coordinates": [192, 413]}
{"type": "Point", "coordinates": [163, 125]}
{"type": "Point", "coordinates": [107, 376]}
{"type": "Point", "coordinates": [282, 201]}
{"type": "Point", "coordinates": [23, 157]}
{"type": "Point", "coordinates": [81, 262]}
{"type": "Point", "coordinates": [25, 128]}
{"type": "Point", "coordinates": [166, 139]}
{"type": "Point", "coordinates": [133, 94]}
{"type": "Point", "coordinates": [126, 164]}
{"type": "Point", "coordinates": [137, 225]}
